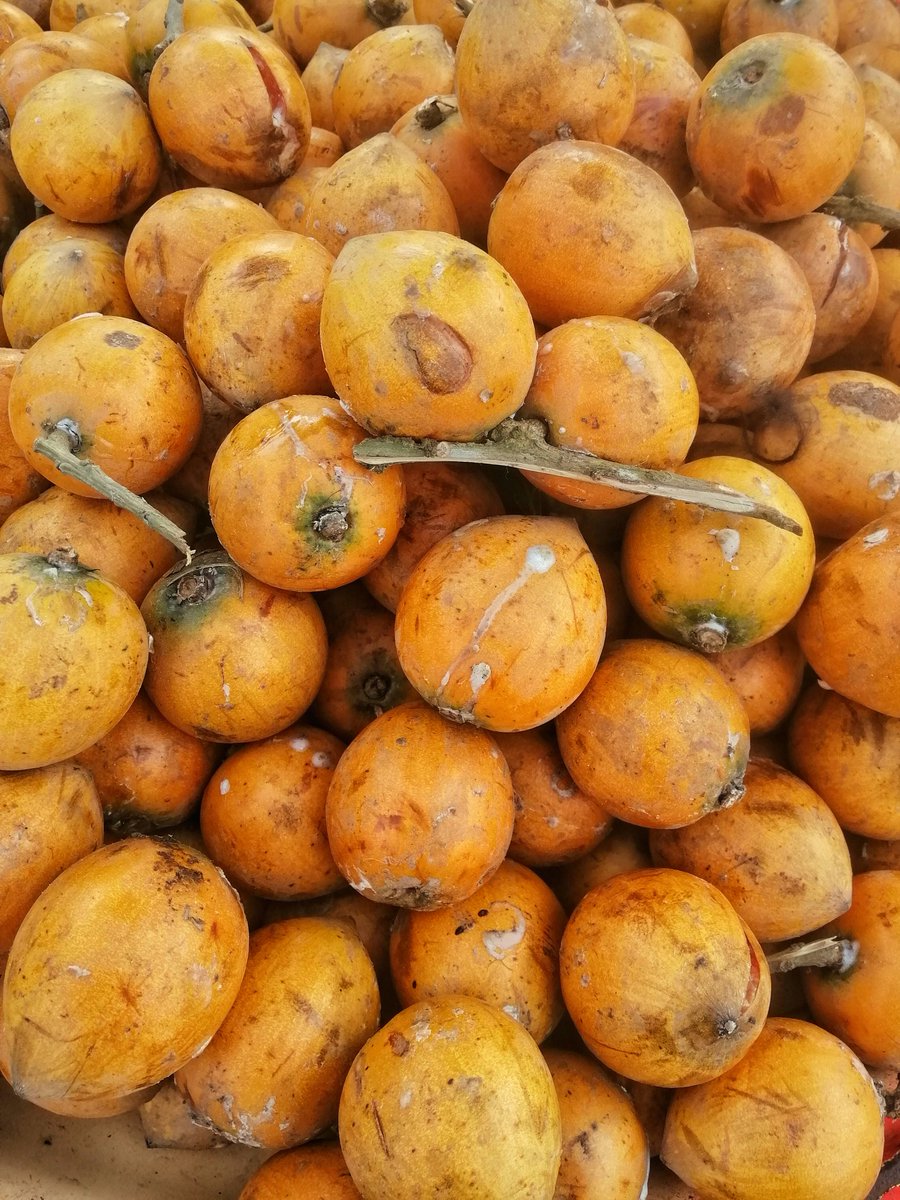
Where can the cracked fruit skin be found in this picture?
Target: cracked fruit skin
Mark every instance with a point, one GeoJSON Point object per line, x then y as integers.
{"type": "Point", "coordinates": [459, 1089]}
{"type": "Point", "coordinates": [122, 970]}
{"type": "Point", "coordinates": [776, 127]}
{"type": "Point", "coordinates": [79, 659]}
{"type": "Point", "coordinates": [715, 580]}
{"type": "Point", "coordinates": [798, 1118]}
{"type": "Point", "coordinates": [453, 350]}
{"type": "Point", "coordinates": [501, 623]}
{"type": "Point", "coordinates": [420, 811]}
{"type": "Point", "coordinates": [664, 981]}
{"type": "Point", "coordinates": [215, 81]}
{"type": "Point", "coordinates": [272, 1074]}
{"type": "Point", "coordinates": [658, 737]}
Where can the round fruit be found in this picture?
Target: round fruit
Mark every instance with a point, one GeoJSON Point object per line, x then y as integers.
{"type": "Point", "coordinates": [460, 1090]}
{"type": "Point", "coordinates": [714, 580]}
{"type": "Point", "coordinates": [272, 1074]}
{"type": "Point", "coordinates": [80, 654]}
{"type": "Point", "coordinates": [664, 982]}
{"type": "Point", "coordinates": [316, 1169]}
{"type": "Point", "coordinates": [797, 1118]}
{"type": "Point", "coordinates": [123, 969]}
{"type": "Point", "coordinates": [453, 351]}
{"type": "Point", "coordinates": [419, 811]}
{"type": "Point", "coordinates": [502, 622]}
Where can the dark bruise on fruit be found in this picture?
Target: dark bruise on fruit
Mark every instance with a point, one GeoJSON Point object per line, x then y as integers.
{"type": "Point", "coordinates": [867, 398]}
{"type": "Point", "coordinates": [441, 358]}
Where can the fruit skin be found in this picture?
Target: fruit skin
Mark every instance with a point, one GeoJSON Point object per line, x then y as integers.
{"type": "Point", "coordinates": [51, 228]}
{"type": "Point", "coordinates": [81, 651]}
{"type": "Point", "coordinates": [122, 385]}
{"type": "Point", "coordinates": [768, 678]}
{"type": "Point", "coordinates": [466, 1088]}
{"type": "Point", "coordinates": [797, 1118]}
{"type": "Point", "coordinates": [501, 945]}
{"type": "Point", "coordinates": [215, 81]}
{"type": "Point", "coordinates": [747, 327]}
{"type": "Point", "coordinates": [779, 855]}
{"type": "Point", "coordinates": [122, 970]}
{"type": "Point", "coordinates": [849, 625]}
{"type": "Point", "coordinates": [419, 811]}
{"type": "Point", "coordinates": [234, 660]}
{"type": "Point", "coordinates": [851, 756]}
{"type": "Point", "coordinates": [776, 127]}
{"type": "Point", "coordinates": [575, 200]}
{"type": "Point", "coordinates": [664, 982]}
{"type": "Point", "coordinates": [272, 1074]}
{"type": "Point", "coordinates": [605, 1151]}
{"type": "Point", "coordinates": [858, 1006]}
{"type": "Point", "coordinates": [263, 815]}
{"type": "Point", "coordinates": [453, 352]}
{"type": "Point", "coordinates": [712, 580]}
{"type": "Point", "coordinates": [290, 503]}
{"type": "Point", "coordinates": [36, 58]}
{"type": "Point", "coordinates": [301, 25]}
{"type": "Point", "coordinates": [19, 481]}
{"type": "Point", "coordinates": [314, 1170]}
{"type": "Point", "coordinates": [657, 737]}
{"type": "Point", "coordinates": [49, 818]}
{"type": "Point", "coordinates": [85, 147]}
{"type": "Point", "coordinates": [502, 622]}
{"type": "Point", "coordinates": [530, 72]}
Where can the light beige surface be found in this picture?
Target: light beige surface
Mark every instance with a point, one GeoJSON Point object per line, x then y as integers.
{"type": "Point", "coordinates": [43, 1157]}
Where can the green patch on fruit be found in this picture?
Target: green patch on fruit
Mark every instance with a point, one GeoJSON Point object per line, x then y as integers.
{"type": "Point", "coordinates": [325, 522]}
{"type": "Point", "coordinates": [184, 596]}
{"type": "Point", "coordinates": [710, 627]}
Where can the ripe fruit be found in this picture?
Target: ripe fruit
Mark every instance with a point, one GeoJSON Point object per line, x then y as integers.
{"type": "Point", "coordinates": [78, 117]}
{"type": "Point", "coordinates": [851, 756]}
{"type": "Point", "coordinates": [49, 819]}
{"type": "Point", "coordinates": [797, 1118]}
{"type": "Point", "coordinates": [229, 107]}
{"type": "Point", "coordinates": [779, 856]}
{"type": "Point", "coordinates": [234, 660]}
{"type": "Point", "coordinates": [320, 518]}
{"type": "Point", "coordinates": [501, 944]}
{"type": "Point", "coordinates": [302, 25]}
{"type": "Point", "coordinates": [856, 1005]}
{"type": "Point", "coordinates": [767, 677]}
{"type": "Point", "coordinates": [611, 387]}
{"type": "Point", "coordinates": [80, 654]}
{"type": "Point", "coordinates": [272, 1074]}
{"type": "Point", "coordinates": [419, 811]}
{"type": "Point", "coordinates": [574, 201]}
{"type": "Point", "coordinates": [604, 1143]}
{"type": "Point", "coordinates": [528, 73]}
{"type": "Point", "coordinates": [713, 580]}
{"type": "Point", "coordinates": [775, 127]}
{"type": "Point", "coordinates": [466, 1088]}
{"type": "Point", "coordinates": [659, 763]}
{"type": "Point", "coordinates": [147, 772]}
{"type": "Point", "coordinates": [849, 625]}
{"type": "Point", "coordinates": [666, 84]}
{"type": "Point", "coordinates": [502, 622]}
{"type": "Point", "coordinates": [123, 969]}
{"type": "Point", "coordinates": [263, 815]}
{"type": "Point", "coordinates": [664, 982]}
{"type": "Point", "coordinates": [315, 1167]}
{"type": "Point", "coordinates": [111, 385]}
{"type": "Point", "coordinates": [453, 351]}
{"type": "Point", "coordinates": [747, 327]}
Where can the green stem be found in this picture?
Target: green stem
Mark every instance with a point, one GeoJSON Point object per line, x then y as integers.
{"type": "Point", "coordinates": [57, 446]}
{"type": "Point", "coordinates": [523, 444]}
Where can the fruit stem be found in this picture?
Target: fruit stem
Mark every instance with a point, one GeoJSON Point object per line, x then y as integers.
{"type": "Point", "coordinates": [523, 444]}
{"type": "Point", "coordinates": [839, 954]}
{"type": "Point", "coordinates": [387, 12]}
{"type": "Point", "coordinates": [58, 445]}
{"type": "Point", "coordinates": [853, 209]}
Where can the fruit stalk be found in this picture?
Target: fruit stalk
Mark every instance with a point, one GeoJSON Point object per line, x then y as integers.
{"type": "Point", "coordinates": [57, 445]}
{"type": "Point", "coordinates": [524, 445]}
{"type": "Point", "coordinates": [837, 953]}
{"type": "Point", "coordinates": [854, 209]}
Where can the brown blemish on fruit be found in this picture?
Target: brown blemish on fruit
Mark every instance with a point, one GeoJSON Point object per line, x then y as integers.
{"type": "Point", "coordinates": [874, 401]}
{"type": "Point", "coordinates": [442, 358]}
{"type": "Point", "coordinates": [784, 116]}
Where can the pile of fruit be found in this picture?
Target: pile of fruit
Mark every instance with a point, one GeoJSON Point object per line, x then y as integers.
{"type": "Point", "coordinates": [450, 527]}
